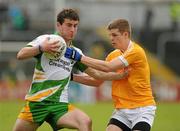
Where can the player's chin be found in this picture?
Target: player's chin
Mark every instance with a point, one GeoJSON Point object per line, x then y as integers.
{"type": "Point", "coordinates": [114, 45]}
{"type": "Point", "coordinates": [70, 38]}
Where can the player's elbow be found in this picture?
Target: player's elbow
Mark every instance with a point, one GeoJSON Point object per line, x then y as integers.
{"type": "Point", "coordinates": [20, 56]}
{"type": "Point", "coordinates": [97, 83]}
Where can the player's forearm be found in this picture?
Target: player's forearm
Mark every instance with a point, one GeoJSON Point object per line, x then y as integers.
{"type": "Point", "coordinates": [100, 75]}
{"type": "Point", "coordinates": [27, 52]}
{"type": "Point", "coordinates": [96, 64]}
{"type": "Point", "coordinates": [113, 76]}
{"type": "Point", "coordinates": [109, 76]}
{"type": "Point", "coordinates": [87, 80]}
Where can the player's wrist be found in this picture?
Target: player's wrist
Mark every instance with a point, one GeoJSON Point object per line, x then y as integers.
{"type": "Point", "coordinates": [39, 48]}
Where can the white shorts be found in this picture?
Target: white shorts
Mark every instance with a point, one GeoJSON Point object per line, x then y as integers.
{"type": "Point", "coordinates": [131, 117]}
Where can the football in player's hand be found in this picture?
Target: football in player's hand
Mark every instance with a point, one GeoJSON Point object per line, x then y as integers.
{"type": "Point", "coordinates": [60, 51]}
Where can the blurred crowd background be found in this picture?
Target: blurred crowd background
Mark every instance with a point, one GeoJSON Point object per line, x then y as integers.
{"type": "Point", "coordinates": [155, 24]}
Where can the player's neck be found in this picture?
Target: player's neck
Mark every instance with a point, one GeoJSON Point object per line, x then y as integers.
{"type": "Point", "coordinates": [126, 45]}
{"type": "Point", "coordinates": [69, 43]}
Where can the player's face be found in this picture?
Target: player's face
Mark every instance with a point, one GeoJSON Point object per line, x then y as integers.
{"type": "Point", "coordinates": [117, 38]}
{"type": "Point", "coordinates": [68, 29]}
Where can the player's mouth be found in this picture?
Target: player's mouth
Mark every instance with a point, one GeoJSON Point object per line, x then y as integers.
{"type": "Point", "coordinates": [71, 35]}
{"type": "Point", "coordinates": [113, 44]}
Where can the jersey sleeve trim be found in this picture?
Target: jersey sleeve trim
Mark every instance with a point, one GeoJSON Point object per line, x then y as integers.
{"type": "Point", "coordinates": [123, 60]}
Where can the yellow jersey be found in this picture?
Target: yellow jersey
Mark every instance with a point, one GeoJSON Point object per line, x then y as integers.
{"type": "Point", "coordinates": [134, 90]}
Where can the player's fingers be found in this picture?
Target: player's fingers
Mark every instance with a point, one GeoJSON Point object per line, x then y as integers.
{"type": "Point", "coordinates": [55, 46]}
{"type": "Point", "coordinates": [53, 50]}
{"type": "Point", "coordinates": [55, 42]}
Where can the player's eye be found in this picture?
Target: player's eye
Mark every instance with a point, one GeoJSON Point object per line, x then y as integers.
{"type": "Point", "coordinates": [75, 26]}
{"type": "Point", "coordinates": [69, 25]}
{"type": "Point", "coordinates": [114, 35]}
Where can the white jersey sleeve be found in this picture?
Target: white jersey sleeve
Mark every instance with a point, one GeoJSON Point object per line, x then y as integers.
{"type": "Point", "coordinates": [37, 41]}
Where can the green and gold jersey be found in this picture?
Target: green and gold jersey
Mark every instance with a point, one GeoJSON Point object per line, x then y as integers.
{"type": "Point", "coordinates": [51, 77]}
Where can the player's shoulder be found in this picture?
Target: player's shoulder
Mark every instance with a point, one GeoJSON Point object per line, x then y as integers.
{"type": "Point", "coordinates": [137, 46]}
{"type": "Point", "coordinates": [113, 54]}
{"type": "Point", "coordinates": [38, 40]}
{"type": "Point", "coordinates": [43, 36]}
{"type": "Point", "coordinates": [138, 49]}
{"type": "Point", "coordinates": [40, 37]}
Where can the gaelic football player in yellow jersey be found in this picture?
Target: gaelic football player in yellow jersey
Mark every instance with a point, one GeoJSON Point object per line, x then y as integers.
{"type": "Point", "coordinates": [132, 96]}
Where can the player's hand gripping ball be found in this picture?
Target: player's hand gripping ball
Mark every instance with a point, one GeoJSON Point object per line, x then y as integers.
{"type": "Point", "coordinates": [60, 51]}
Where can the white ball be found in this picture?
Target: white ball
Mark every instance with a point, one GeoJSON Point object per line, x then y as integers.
{"type": "Point", "coordinates": [60, 51]}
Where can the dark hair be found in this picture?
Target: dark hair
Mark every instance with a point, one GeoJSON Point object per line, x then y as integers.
{"type": "Point", "coordinates": [67, 14]}
{"type": "Point", "coordinates": [121, 24]}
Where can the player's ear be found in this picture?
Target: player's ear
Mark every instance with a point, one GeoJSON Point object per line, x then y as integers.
{"type": "Point", "coordinates": [58, 24]}
{"type": "Point", "coordinates": [126, 34]}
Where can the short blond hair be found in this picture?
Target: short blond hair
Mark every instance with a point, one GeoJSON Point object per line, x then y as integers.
{"type": "Point", "coordinates": [121, 24]}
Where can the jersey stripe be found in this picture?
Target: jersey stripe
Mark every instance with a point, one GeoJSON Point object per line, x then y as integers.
{"type": "Point", "coordinates": [43, 94]}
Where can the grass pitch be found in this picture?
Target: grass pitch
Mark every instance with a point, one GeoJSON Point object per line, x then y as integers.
{"type": "Point", "coordinates": [167, 116]}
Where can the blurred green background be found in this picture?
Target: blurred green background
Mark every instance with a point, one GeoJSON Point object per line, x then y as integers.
{"type": "Point", "coordinates": [167, 115]}
{"type": "Point", "coordinates": [155, 25]}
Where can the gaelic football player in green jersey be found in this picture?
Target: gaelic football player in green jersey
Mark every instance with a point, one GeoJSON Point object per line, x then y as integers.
{"type": "Point", "coordinates": [47, 99]}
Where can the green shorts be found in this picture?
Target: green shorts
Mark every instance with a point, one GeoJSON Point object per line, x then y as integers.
{"type": "Point", "coordinates": [38, 112]}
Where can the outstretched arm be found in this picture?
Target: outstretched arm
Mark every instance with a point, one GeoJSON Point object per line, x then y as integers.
{"type": "Point", "coordinates": [87, 80]}
{"type": "Point", "coordinates": [28, 52]}
{"type": "Point", "coordinates": [109, 76]}
{"type": "Point", "coordinates": [96, 78]}
{"type": "Point", "coordinates": [113, 65]}
{"type": "Point", "coordinates": [37, 48]}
